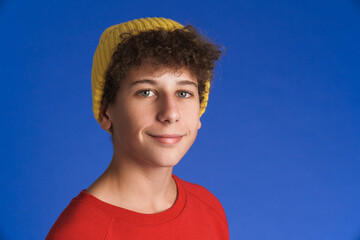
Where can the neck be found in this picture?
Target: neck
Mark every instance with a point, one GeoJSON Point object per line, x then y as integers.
{"type": "Point", "coordinates": [137, 188]}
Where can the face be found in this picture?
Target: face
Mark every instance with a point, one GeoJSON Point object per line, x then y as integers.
{"type": "Point", "coordinates": [155, 117]}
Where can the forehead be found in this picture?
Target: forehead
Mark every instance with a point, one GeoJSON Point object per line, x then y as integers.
{"type": "Point", "coordinates": [156, 71]}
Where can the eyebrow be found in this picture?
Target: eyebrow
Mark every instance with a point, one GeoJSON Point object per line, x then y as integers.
{"type": "Point", "coordinates": [187, 82]}
{"type": "Point", "coordinates": [152, 82]}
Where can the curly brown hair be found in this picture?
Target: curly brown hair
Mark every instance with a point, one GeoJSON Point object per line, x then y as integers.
{"type": "Point", "coordinates": [179, 48]}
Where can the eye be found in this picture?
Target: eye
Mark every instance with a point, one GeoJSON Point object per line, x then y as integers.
{"type": "Point", "coordinates": [146, 93]}
{"type": "Point", "coordinates": [184, 94]}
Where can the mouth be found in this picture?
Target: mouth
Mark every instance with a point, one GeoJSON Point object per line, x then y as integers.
{"type": "Point", "coordinates": [167, 139]}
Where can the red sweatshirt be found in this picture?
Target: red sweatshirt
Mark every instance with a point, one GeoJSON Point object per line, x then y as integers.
{"type": "Point", "coordinates": [196, 214]}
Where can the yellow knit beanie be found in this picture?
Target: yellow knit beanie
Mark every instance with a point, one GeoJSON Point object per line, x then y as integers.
{"type": "Point", "coordinates": [107, 45]}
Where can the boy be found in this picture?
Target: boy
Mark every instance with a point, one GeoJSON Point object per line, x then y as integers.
{"type": "Point", "coordinates": [150, 84]}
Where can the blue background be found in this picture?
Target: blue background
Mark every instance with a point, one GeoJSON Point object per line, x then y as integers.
{"type": "Point", "coordinates": [279, 143]}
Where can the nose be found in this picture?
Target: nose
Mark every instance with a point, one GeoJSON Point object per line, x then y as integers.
{"type": "Point", "coordinates": [168, 111]}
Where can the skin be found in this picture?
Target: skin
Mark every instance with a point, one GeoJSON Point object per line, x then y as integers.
{"type": "Point", "coordinates": [155, 119]}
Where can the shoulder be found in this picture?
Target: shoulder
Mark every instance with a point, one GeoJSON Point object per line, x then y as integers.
{"type": "Point", "coordinates": [80, 220]}
{"type": "Point", "coordinates": [203, 196]}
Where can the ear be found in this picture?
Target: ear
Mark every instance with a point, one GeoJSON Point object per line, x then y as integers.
{"type": "Point", "coordinates": [199, 124]}
{"type": "Point", "coordinates": [104, 117]}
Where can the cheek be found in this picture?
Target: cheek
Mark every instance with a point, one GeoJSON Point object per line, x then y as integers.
{"type": "Point", "coordinates": [192, 116]}
{"type": "Point", "coordinates": [136, 118]}
{"type": "Point", "coordinates": [193, 123]}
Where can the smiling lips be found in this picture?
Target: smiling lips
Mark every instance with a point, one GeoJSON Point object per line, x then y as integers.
{"type": "Point", "coordinates": [168, 139]}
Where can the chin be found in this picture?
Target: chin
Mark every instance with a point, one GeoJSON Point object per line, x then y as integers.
{"type": "Point", "coordinates": [164, 159]}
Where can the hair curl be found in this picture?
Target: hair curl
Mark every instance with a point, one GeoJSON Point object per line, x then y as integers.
{"type": "Point", "coordinates": [179, 48]}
